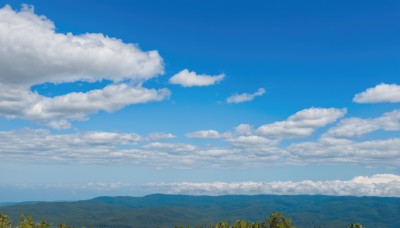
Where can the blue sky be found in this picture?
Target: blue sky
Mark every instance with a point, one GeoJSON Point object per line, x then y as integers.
{"type": "Point", "coordinates": [137, 97]}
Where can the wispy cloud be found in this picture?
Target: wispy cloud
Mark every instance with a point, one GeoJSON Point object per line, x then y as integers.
{"type": "Point", "coordinates": [244, 97]}
{"type": "Point", "coordinates": [188, 78]}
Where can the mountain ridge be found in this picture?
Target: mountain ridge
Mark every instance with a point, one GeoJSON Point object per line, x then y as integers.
{"type": "Point", "coordinates": [161, 210]}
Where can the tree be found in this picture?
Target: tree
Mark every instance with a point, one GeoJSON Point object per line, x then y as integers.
{"type": "Point", "coordinates": [28, 222]}
{"type": "Point", "coordinates": [277, 220]}
{"type": "Point", "coordinates": [243, 224]}
{"type": "Point", "coordinates": [356, 225]}
{"type": "Point", "coordinates": [4, 222]}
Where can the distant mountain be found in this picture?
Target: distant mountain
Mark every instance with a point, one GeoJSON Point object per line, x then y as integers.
{"type": "Point", "coordinates": [3, 204]}
{"type": "Point", "coordinates": [6, 204]}
{"type": "Point", "coordinates": [168, 210]}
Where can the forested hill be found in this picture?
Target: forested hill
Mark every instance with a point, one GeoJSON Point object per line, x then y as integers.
{"type": "Point", "coordinates": [168, 210]}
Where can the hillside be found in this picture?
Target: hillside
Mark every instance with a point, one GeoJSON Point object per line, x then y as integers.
{"type": "Point", "coordinates": [169, 210]}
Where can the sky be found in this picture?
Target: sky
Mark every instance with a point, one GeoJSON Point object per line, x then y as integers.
{"type": "Point", "coordinates": [198, 97]}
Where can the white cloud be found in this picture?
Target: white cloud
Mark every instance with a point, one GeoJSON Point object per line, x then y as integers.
{"type": "Point", "coordinates": [356, 127]}
{"type": "Point", "coordinates": [244, 129]}
{"type": "Point", "coordinates": [383, 185]}
{"type": "Point", "coordinates": [252, 139]}
{"type": "Point", "coordinates": [32, 53]}
{"type": "Point", "coordinates": [57, 111]}
{"type": "Point", "coordinates": [379, 153]}
{"type": "Point", "coordinates": [380, 93]}
{"type": "Point", "coordinates": [170, 147]}
{"type": "Point", "coordinates": [376, 185]}
{"type": "Point", "coordinates": [302, 123]}
{"type": "Point", "coordinates": [42, 146]}
{"type": "Point", "coordinates": [160, 135]}
{"type": "Point", "coordinates": [208, 134]}
{"type": "Point", "coordinates": [239, 98]}
{"type": "Point", "coordinates": [186, 78]}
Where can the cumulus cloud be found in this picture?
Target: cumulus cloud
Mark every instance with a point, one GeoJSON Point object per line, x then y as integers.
{"type": "Point", "coordinates": [302, 123]}
{"type": "Point", "coordinates": [188, 78]}
{"type": "Point", "coordinates": [208, 134]}
{"type": "Point", "coordinates": [59, 110]}
{"type": "Point", "coordinates": [244, 129]}
{"type": "Point", "coordinates": [357, 127]}
{"type": "Point", "coordinates": [41, 139]}
{"type": "Point", "coordinates": [160, 135]}
{"type": "Point", "coordinates": [33, 53]}
{"type": "Point", "coordinates": [170, 147]}
{"type": "Point", "coordinates": [252, 139]}
{"type": "Point", "coordinates": [239, 98]}
{"type": "Point", "coordinates": [380, 93]}
{"type": "Point", "coordinates": [376, 185]}
{"type": "Point", "coordinates": [379, 153]}
{"type": "Point", "coordinates": [42, 146]}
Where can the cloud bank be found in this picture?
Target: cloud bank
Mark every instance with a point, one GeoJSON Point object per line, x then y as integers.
{"type": "Point", "coordinates": [376, 185]}
{"type": "Point", "coordinates": [239, 147]}
{"type": "Point", "coordinates": [384, 185]}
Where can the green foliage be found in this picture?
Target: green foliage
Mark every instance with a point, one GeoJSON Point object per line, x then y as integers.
{"type": "Point", "coordinates": [356, 225]}
{"type": "Point", "coordinates": [28, 222]}
{"type": "Point", "coordinates": [277, 220]}
{"type": "Point", "coordinates": [62, 225]}
{"type": "Point", "coordinates": [4, 222]}
{"type": "Point", "coordinates": [245, 224]}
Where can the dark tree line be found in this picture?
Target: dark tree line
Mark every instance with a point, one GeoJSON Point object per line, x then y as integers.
{"type": "Point", "coordinates": [275, 220]}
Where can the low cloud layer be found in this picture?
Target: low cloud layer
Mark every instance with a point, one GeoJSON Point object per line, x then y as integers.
{"type": "Point", "coordinates": [380, 93]}
{"type": "Point", "coordinates": [376, 185]}
{"type": "Point", "coordinates": [239, 147]}
{"type": "Point", "coordinates": [188, 78]}
{"type": "Point", "coordinates": [244, 97]}
{"type": "Point", "coordinates": [384, 185]}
